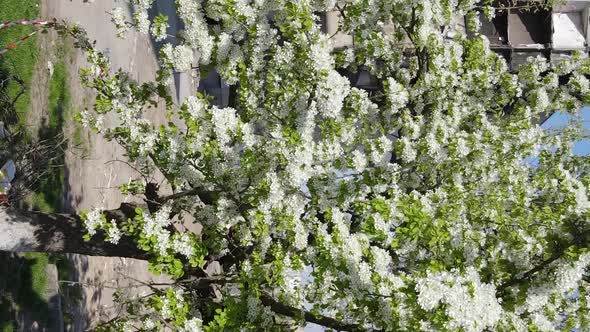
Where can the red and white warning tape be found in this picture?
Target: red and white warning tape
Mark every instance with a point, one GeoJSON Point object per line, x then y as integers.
{"type": "Point", "coordinates": [14, 44]}
{"type": "Point", "coordinates": [35, 23]}
{"type": "Point", "coordinates": [4, 25]}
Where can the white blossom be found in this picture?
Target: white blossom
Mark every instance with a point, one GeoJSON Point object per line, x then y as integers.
{"type": "Point", "coordinates": [114, 233]}
{"type": "Point", "coordinates": [193, 325]}
{"type": "Point", "coordinates": [471, 311]}
{"type": "Point", "coordinates": [159, 31]}
{"type": "Point", "coordinates": [149, 324]}
{"type": "Point", "coordinates": [568, 277]}
{"type": "Point", "coordinates": [142, 23]}
{"type": "Point", "coordinates": [195, 106]}
{"type": "Point", "coordinates": [183, 245]}
{"type": "Point", "coordinates": [408, 152]}
{"type": "Point", "coordinates": [359, 161]}
{"type": "Point", "coordinates": [94, 220]}
{"type": "Point", "coordinates": [397, 96]}
{"type": "Point", "coordinates": [142, 4]}
{"type": "Point", "coordinates": [180, 57]}
{"type": "Point", "coordinates": [119, 18]}
{"type": "Point", "coordinates": [300, 236]}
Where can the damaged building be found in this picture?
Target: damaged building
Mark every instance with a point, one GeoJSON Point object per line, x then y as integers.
{"type": "Point", "coordinates": [515, 33]}
{"type": "Point", "coordinates": [552, 33]}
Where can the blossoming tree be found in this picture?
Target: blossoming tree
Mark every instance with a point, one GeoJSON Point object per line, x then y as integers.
{"type": "Point", "coordinates": [434, 202]}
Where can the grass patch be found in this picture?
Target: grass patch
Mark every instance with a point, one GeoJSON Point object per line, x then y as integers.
{"type": "Point", "coordinates": [80, 137]}
{"type": "Point", "coordinates": [38, 276]}
{"type": "Point", "coordinates": [49, 196]}
{"type": "Point", "coordinates": [38, 202]}
{"type": "Point", "coordinates": [23, 281]}
{"type": "Point", "coordinates": [59, 94]}
{"type": "Point", "coordinates": [21, 60]}
{"type": "Point", "coordinates": [7, 327]}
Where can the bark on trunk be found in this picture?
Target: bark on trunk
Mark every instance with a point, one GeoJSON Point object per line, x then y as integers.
{"type": "Point", "coordinates": [22, 231]}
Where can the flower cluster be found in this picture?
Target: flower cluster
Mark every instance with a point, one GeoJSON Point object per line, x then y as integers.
{"type": "Point", "coordinates": [119, 18]}
{"type": "Point", "coordinates": [180, 57]}
{"type": "Point", "coordinates": [470, 304]}
{"type": "Point", "coordinates": [94, 220]}
{"type": "Point", "coordinates": [159, 27]}
{"type": "Point", "coordinates": [142, 24]}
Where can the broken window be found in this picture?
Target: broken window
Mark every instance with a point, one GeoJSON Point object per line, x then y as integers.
{"type": "Point", "coordinates": [495, 30]}
{"type": "Point", "coordinates": [529, 28]}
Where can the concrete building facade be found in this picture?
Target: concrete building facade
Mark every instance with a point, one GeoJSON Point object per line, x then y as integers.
{"type": "Point", "coordinates": [515, 32]}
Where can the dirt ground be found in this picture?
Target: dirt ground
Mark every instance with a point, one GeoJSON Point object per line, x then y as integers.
{"type": "Point", "coordinates": [94, 174]}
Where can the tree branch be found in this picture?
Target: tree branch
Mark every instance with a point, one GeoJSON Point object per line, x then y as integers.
{"type": "Point", "coordinates": [204, 195]}
{"type": "Point", "coordinates": [520, 278]}
{"type": "Point", "coordinates": [205, 282]}
{"type": "Point", "coordinates": [286, 310]}
{"type": "Point", "coordinates": [580, 240]}
{"type": "Point", "coordinates": [22, 231]}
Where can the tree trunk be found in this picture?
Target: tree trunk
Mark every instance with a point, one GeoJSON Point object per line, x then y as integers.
{"type": "Point", "coordinates": [22, 231]}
